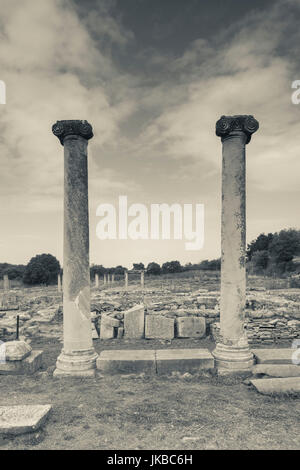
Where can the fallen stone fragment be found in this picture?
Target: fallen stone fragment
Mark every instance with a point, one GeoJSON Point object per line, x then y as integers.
{"type": "Point", "coordinates": [288, 385]}
{"type": "Point", "coordinates": [158, 327]}
{"type": "Point", "coordinates": [190, 327]}
{"type": "Point", "coordinates": [134, 322]}
{"type": "Point", "coordinates": [20, 419]}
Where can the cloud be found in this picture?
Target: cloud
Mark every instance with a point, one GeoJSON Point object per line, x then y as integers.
{"type": "Point", "coordinates": [53, 70]}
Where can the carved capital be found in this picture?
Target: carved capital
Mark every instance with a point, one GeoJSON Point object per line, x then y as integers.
{"type": "Point", "coordinates": [72, 127]}
{"type": "Point", "coordinates": [230, 124]}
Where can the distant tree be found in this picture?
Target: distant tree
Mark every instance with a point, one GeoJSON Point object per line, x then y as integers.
{"type": "Point", "coordinates": [261, 243]}
{"type": "Point", "coordinates": [172, 267]}
{"type": "Point", "coordinates": [14, 271]}
{"type": "Point", "coordinates": [284, 246]}
{"type": "Point", "coordinates": [138, 266]}
{"type": "Point", "coordinates": [153, 268]}
{"type": "Point", "coordinates": [119, 270]}
{"type": "Point", "coordinates": [42, 269]}
{"type": "Point", "coordinates": [260, 260]}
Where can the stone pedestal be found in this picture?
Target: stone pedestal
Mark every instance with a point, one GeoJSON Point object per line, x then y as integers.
{"type": "Point", "coordinates": [78, 357]}
{"type": "Point", "coordinates": [6, 283]}
{"type": "Point", "coordinates": [232, 355]}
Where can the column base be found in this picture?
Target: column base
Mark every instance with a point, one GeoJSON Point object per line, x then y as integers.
{"type": "Point", "coordinates": [233, 360]}
{"type": "Point", "coordinates": [76, 363]}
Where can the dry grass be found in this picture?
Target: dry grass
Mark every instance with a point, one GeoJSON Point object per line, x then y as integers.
{"type": "Point", "coordinates": [150, 412]}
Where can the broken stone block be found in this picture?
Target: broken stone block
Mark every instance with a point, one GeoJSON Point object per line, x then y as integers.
{"type": "Point", "coordinates": [120, 332]}
{"type": "Point", "coordinates": [158, 327]}
{"type": "Point", "coordinates": [183, 360]}
{"type": "Point", "coordinates": [127, 362]}
{"type": "Point", "coordinates": [22, 419]}
{"type": "Point", "coordinates": [106, 331]}
{"type": "Point", "coordinates": [94, 332]}
{"type": "Point", "coordinates": [15, 350]}
{"type": "Point", "coordinates": [190, 327]}
{"type": "Point", "coordinates": [110, 321]}
{"type": "Point", "coordinates": [277, 386]}
{"type": "Point", "coordinates": [27, 366]}
{"type": "Point", "coordinates": [134, 322]}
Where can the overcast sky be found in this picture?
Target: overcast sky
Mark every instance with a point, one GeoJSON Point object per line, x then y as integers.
{"type": "Point", "coordinates": [152, 77]}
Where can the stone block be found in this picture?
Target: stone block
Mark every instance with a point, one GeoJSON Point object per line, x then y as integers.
{"type": "Point", "coordinates": [127, 362]}
{"type": "Point", "coordinates": [134, 322]}
{"type": "Point", "coordinates": [106, 331]}
{"type": "Point", "coordinates": [277, 370]}
{"type": "Point", "coordinates": [15, 350]}
{"type": "Point", "coordinates": [277, 386]}
{"type": "Point", "coordinates": [158, 327]}
{"type": "Point", "coordinates": [27, 366]}
{"type": "Point", "coordinates": [191, 327]}
{"type": "Point", "coordinates": [183, 360]}
{"type": "Point", "coordinates": [20, 419]}
{"type": "Point", "coordinates": [273, 356]}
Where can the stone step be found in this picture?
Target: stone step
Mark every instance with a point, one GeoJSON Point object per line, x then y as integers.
{"type": "Point", "coordinates": [277, 370]}
{"type": "Point", "coordinates": [276, 386]}
{"type": "Point", "coordinates": [274, 356]}
{"type": "Point", "coordinates": [162, 361]}
{"type": "Point", "coordinates": [183, 360]}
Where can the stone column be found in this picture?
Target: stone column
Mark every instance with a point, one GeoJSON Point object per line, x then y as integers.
{"type": "Point", "coordinates": [96, 280]}
{"type": "Point", "coordinates": [6, 284]}
{"type": "Point", "coordinates": [233, 354]}
{"type": "Point", "coordinates": [113, 278]}
{"type": "Point", "coordinates": [126, 279]}
{"type": "Point", "coordinates": [59, 282]}
{"type": "Point", "coordinates": [78, 357]}
{"type": "Point", "coordinates": [142, 279]}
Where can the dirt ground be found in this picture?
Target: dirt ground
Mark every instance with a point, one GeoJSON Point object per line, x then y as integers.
{"type": "Point", "coordinates": [128, 412]}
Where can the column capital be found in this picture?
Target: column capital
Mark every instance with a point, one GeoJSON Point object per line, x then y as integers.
{"type": "Point", "coordinates": [61, 129]}
{"type": "Point", "coordinates": [241, 123]}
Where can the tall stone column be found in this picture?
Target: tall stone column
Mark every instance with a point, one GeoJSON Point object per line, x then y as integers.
{"type": "Point", "coordinates": [232, 354]}
{"type": "Point", "coordinates": [142, 279]}
{"type": "Point", "coordinates": [6, 283]}
{"type": "Point", "coordinates": [78, 357]}
{"type": "Point", "coordinates": [96, 280]}
{"type": "Point", "coordinates": [59, 282]}
{"type": "Point", "coordinates": [126, 279]}
{"type": "Point", "coordinates": [113, 278]}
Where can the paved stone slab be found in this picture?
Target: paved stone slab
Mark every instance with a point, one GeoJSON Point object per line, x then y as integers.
{"type": "Point", "coordinates": [134, 322]}
{"type": "Point", "coordinates": [273, 356]}
{"type": "Point", "coordinates": [183, 360]}
{"type": "Point", "coordinates": [277, 370]}
{"type": "Point", "coordinates": [190, 327]}
{"type": "Point", "coordinates": [127, 362]}
{"type": "Point", "coordinates": [27, 366]}
{"type": "Point", "coordinates": [22, 419]}
{"type": "Point", "coordinates": [276, 386]}
{"type": "Point", "coordinates": [159, 327]}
